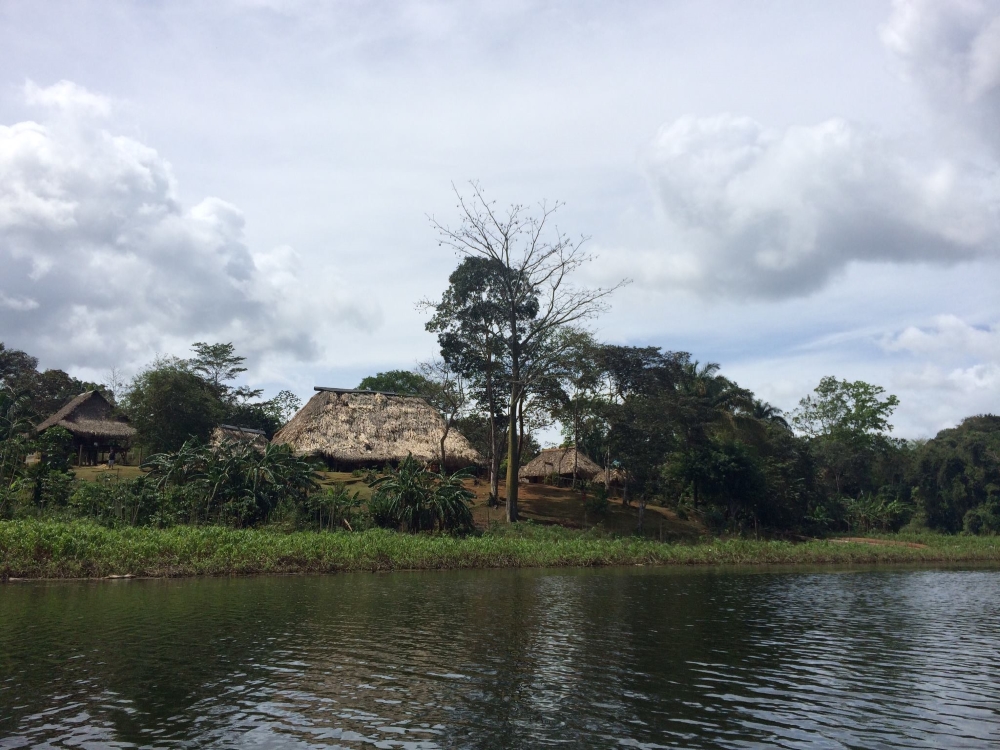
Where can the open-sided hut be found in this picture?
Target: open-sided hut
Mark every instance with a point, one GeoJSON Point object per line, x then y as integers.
{"type": "Point", "coordinates": [95, 427]}
{"type": "Point", "coordinates": [355, 429]}
{"type": "Point", "coordinates": [257, 438]}
{"type": "Point", "coordinates": [560, 462]}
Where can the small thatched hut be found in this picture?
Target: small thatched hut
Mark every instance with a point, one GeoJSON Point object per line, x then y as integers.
{"type": "Point", "coordinates": [614, 478]}
{"type": "Point", "coordinates": [354, 429]}
{"type": "Point", "coordinates": [558, 461]}
{"type": "Point", "coordinates": [257, 438]}
{"type": "Point", "coordinates": [95, 428]}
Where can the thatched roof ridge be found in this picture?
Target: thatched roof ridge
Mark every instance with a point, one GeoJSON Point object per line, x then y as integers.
{"type": "Point", "coordinates": [257, 438]}
{"type": "Point", "coordinates": [355, 390]}
{"type": "Point", "coordinates": [89, 415]}
{"type": "Point", "coordinates": [366, 427]}
{"type": "Point", "coordinates": [240, 430]}
{"type": "Point", "coordinates": [559, 461]}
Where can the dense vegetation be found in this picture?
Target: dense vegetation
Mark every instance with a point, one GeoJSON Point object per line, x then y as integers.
{"type": "Point", "coordinates": [514, 358]}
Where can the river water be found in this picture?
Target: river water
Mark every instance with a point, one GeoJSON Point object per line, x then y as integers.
{"type": "Point", "coordinates": [640, 658]}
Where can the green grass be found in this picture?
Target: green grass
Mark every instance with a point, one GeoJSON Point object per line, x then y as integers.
{"type": "Point", "coordinates": [53, 549]}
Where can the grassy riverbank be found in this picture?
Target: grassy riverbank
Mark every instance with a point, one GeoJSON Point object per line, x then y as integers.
{"type": "Point", "coordinates": [49, 549]}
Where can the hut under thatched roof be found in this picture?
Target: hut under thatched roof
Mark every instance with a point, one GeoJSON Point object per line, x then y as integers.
{"type": "Point", "coordinates": [257, 438]}
{"type": "Point", "coordinates": [352, 429]}
{"type": "Point", "coordinates": [615, 477]}
{"type": "Point", "coordinates": [558, 461]}
{"type": "Point", "coordinates": [91, 420]}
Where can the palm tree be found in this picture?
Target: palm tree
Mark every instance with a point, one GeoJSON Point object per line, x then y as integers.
{"type": "Point", "coordinates": [769, 414]}
{"type": "Point", "coordinates": [15, 429]}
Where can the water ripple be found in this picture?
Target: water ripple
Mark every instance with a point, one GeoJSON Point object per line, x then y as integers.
{"type": "Point", "coordinates": [506, 659]}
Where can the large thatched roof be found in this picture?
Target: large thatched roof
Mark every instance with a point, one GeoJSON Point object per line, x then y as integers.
{"type": "Point", "coordinates": [559, 461]}
{"type": "Point", "coordinates": [368, 427]}
{"type": "Point", "coordinates": [90, 416]}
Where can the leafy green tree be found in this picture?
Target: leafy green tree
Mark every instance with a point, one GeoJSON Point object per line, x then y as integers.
{"type": "Point", "coordinates": [17, 369]}
{"type": "Point", "coordinates": [531, 263]}
{"type": "Point", "coordinates": [404, 382]}
{"type": "Point", "coordinates": [843, 409]}
{"type": "Point", "coordinates": [847, 424]}
{"type": "Point", "coordinates": [767, 413]}
{"type": "Point", "coordinates": [571, 391]}
{"type": "Point", "coordinates": [169, 405]}
{"type": "Point", "coordinates": [15, 432]}
{"type": "Point", "coordinates": [52, 389]}
{"type": "Point", "coordinates": [269, 415]}
{"type": "Point", "coordinates": [641, 387]}
{"type": "Point", "coordinates": [48, 391]}
{"type": "Point", "coordinates": [216, 363]}
{"type": "Point", "coordinates": [469, 322]}
{"type": "Point", "coordinates": [50, 477]}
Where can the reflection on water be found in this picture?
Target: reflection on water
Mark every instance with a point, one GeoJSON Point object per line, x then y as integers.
{"type": "Point", "coordinates": [506, 659]}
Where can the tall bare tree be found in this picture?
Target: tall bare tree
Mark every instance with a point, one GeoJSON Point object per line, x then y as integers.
{"type": "Point", "coordinates": [534, 262]}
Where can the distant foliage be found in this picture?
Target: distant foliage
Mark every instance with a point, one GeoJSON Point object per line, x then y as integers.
{"type": "Point", "coordinates": [956, 477]}
{"type": "Point", "coordinates": [397, 381]}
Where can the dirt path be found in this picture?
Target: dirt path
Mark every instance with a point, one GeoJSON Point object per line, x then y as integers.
{"type": "Point", "coordinates": [878, 542]}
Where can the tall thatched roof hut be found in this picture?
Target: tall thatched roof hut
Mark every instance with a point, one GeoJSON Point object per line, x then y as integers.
{"type": "Point", "coordinates": [257, 438]}
{"type": "Point", "coordinates": [91, 420]}
{"type": "Point", "coordinates": [352, 428]}
{"type": "Point", "coordinates": [558, 461]}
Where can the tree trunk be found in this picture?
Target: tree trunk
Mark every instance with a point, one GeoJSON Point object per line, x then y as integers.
{"type": "Point", "coordinates": [512, 453]}
{"type": "Point", "coordinates": [444, 436]}
{"type": "Point", "coordinates": [607, 471]}
{"type": "Point", "coordinates": [495, 478]}
{"type": "Point", "coordinates": [576, 449]}
{"type": "Point", "coordinates": [642, 513]}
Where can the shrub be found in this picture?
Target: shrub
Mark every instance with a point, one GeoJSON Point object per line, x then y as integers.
{"type": "Point", "coordinates": [335, 507]}
{"type": "Point", "coordinates": [418, 498]}
{"type": "Point", "coordinates": [129, 502]}
{"type": "Point", "coordinates": [983, 519]}
{"type": "Point", "coordinates": [597, 503]}
{"type": "Point", "coordinates": [234, 483]}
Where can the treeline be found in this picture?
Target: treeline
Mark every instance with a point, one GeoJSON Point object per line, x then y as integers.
{"type": "Point", "coordinates": [515, 358]}
{"type": "Point", "coordinates": [169, 401]}
{"type": "Point", "coordinates": [174, 404]}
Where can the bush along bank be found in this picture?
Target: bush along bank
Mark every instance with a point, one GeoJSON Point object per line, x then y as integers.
{"type": "Point", "coordinates": [54, 549]}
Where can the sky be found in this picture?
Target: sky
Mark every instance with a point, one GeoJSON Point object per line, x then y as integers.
{"type": "Point", "coordinates": [793, 189]}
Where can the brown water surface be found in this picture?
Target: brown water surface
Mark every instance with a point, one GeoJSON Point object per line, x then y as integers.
{"type": "Point", "coordinates": [507, 659]}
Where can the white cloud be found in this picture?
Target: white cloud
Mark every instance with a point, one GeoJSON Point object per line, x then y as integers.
{"type": "Point", "coordinates": [102, 263]}
{"type": "Point", "coordinates": [754, 211]}
{"type": "Point", "coordinates": [948, 336]}
{"type": "Point", "coordinates": [68, 97]}
{"type": "Point", "coordinates": [951, 49]}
